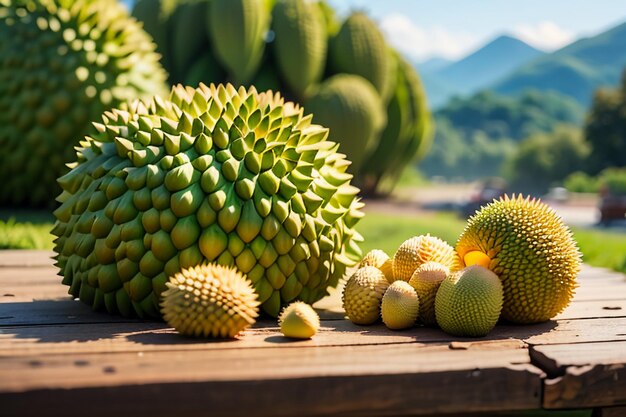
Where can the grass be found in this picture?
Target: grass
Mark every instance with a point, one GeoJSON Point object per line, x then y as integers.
{"type": "Point", "coordinates": [26, 230]}
{"type": "Point", "coordinates": [603, 248]}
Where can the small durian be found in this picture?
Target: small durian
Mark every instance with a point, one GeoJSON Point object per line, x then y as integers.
{"type": "Point", "coordinates": [209, 300]}
{"type": "Point", "coordinates": [468, 302]}
{"type": "Point", "coordinates": [362, 295]}
{"type": "Point", "coordinates": [379, 259]}
{"type": "Point", "coordinates": [400, 306]}
{"type": "Point", "coordinates": [299, 321]}
{"type": "Point", "coordinates": [426, 281]}
{"type": "Point", "coordinates": [418, 250]}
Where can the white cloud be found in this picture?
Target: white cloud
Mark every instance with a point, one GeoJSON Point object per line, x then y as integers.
{"type": "Point", "coordinates": [544, 35]}
{"type": "Point", "coordinates": [423, 42]}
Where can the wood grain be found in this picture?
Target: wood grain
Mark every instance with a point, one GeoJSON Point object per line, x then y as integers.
{"type": "Point", "coordinates": [325, 381]}
{"type": "Point", "coordinates": [586, 375]}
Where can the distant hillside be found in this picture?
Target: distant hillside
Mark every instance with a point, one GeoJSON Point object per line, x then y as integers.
{"type": "Point", "coordinates": [476, 135]}
{"type": "Point", "coordinates": [575, 70]}
{"type": "Point", "coordinates": [477, 70]}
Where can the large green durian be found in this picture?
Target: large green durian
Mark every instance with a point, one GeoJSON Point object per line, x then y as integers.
{"type": "Point", "coordinates": [237, 30]}
{"type": "Point", "coordinates": [351, 108]}
{"type": "Point", "coordinates": [359, 48]}
{"type": "Point", "coordinates": [62, 63]}
{"type": "Point", "coordinates": [300, 43]}
{"type": "Point", "coordinates": [214, 174]}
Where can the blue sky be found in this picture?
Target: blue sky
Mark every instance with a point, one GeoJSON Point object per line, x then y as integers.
{"type": "Point", "coordinates": [453, 28]}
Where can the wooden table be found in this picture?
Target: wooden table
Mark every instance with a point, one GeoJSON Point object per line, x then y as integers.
{"type": "Point", "coordinates": [58, 357]}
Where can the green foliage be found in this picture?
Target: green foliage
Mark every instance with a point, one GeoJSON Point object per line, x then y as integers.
{"type": "Point", "coordinates": [581, 182]}
{"type": "Point", "coordinates": [614, 180]}
{"type": "Point", "coordinates": [546, 159]}
{"type": "Point", "coordinates": [605, 130]}
{"type": "Point", "coordinates": [475, 136]}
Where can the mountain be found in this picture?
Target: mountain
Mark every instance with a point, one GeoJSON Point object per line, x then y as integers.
{"type": "Point", "coordinates": [477, 70]}
{"type": "Point", "coordinates": [575, 70]}
{"type": "Point", "coordinates": [488, 64]}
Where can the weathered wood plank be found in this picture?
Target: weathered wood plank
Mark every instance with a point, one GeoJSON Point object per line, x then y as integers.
{"type": "Point", "coordinates": [364, 380]}
{"type": "Point", "coordinates": [594, 309]}
{"type": "Point", "coordinates": [585, 375]}
{"type": "Point", "coordinates": [154, 336]}
{"type": "Point", "coordinates": [28, 258]}
{"type": "Point", "coordinates": [136, 336]}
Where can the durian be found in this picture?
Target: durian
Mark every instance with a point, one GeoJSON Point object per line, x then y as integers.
{"type": "Point", "coordinates": [209, 301]}
{"type": "Point", "coordinates": [426, 281]}
{"type": "Point", "coordinates": [420, 249]}
{"type": "Point", "coordinates": [379, 259]}
{"type": "Point", "coordinates": [362, 295]}
{"type": "Point", "coordinates": [351, 108]}
{"type": "Point", "coordinates": [531, 250]}
{"type": "Point", "coordinates": [62, 63]}
{"type": "Point", "coordinates": [359, 48]}
{"type": "Point", "coordinates": [213, 174]}
{"type": "Point", "coordinates": [299, 321]}
{"type": "Point", "coordinates": [469, 302]}
{"type": "Point", "coordinates": [237, 30]}
{"type": "Point", "coordinates": [400, 306]}
{"type": "Point", "coordinates": [300, 43]}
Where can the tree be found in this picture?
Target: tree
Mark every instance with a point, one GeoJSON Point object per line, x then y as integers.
{"type": "Point", "coordinates": [545, 159]}
{"type": "Point", "coordinates": [605, 129]}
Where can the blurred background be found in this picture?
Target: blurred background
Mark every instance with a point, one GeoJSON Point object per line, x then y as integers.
{"type": "Point", "coordinates": [526, 97]}
{"type": "Point", "coordinates": [506, 97]}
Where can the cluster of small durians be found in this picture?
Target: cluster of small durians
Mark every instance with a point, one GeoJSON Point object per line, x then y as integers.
{"type": "Point", "coordinates": [515, 260]}
{"type": "Point", "coordinates": [424, 282]}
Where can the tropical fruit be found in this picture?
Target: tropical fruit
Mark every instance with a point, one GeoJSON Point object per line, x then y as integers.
{"type": "Point", "coordinates": [300, 43]}
{"type": "Point", "coordinates": [352, 110]}
{"type": "Point", "coordinates": [299, 321]}
{"type": "Point", "coordinates": [469, 301]}
{"type": "Point", "coordinates": [400, 306]}
{"type": "Point", "coordinates": [285, 45]}
{"type": "Point", "coordinates": [62, 63]}
{"type": "Point", "coordinates": [362, 295]}
{"type": "Point", "coordinates": [237, 31]}
{"type": "Point", "coordinates": [215, 174]}
{"type": "Point", "coordinates": [426, 281]}
{"type": "Point", "coordinates": [359, 48]}
{"type": "Point", "coordinates": [420, 249]}
{"type": "Point", "coordinates": [531, 250]}
{"type": "Point", "coordinates": [209, 301]}
{"type": "Point", "coordinates": [379, 259]}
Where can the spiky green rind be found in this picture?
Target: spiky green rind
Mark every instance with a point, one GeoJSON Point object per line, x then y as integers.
{"type": "Point", "coordinates": [531, 250]}
{"type": "Point", "coordinates": [362, 295]}
{"type": "Point", "coordinates": [209, 301]}
{"type": "Point", "coordinates": [300, 43]}
{"type": "Point", "coordinates": [213, 174]}
{"type": "Point", "coordinates": [299, 321]}
{"type": "Point", "coordinates": [426, 281]}
{"type": "Point", "coordinates": [400, 306]}
{"type": "Point", "coordinates": [359, 48]}
{"type": "Point", "coordinates": [469, 302]}
{"type": "Point", "coordinates": [351, 108]}
{"type": "Point", "coordinates": [237, 32]}
{"type": "Point", "coordinates": [418, 250]}
{"type": "Point", "coordinates": [62, 63]}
